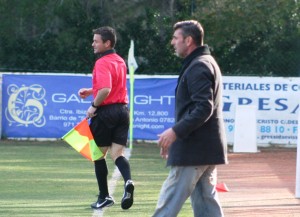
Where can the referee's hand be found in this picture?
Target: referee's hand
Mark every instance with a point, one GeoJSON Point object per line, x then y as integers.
{"type": "Point", "coordinates": [91, 112]}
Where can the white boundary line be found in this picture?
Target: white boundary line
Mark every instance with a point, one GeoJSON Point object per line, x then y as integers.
{"type": "Point", "coordinates": [112, 183]}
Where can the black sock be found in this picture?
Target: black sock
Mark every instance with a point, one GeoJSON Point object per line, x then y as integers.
{"type": "Point", "coordinates": [124, 167]}
{"type": "Point", "coordinates": [101, 175]}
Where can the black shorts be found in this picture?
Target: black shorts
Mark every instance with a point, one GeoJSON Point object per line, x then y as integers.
{"type": "Point", "coordinates": [110, 125]}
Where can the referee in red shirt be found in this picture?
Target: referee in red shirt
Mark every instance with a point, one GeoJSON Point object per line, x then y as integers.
{"type": "Point", "coordinates": [109, 115]}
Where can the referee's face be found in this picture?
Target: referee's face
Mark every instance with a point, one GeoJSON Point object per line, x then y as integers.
{"type": "Point", "coordinates": [98, 44]}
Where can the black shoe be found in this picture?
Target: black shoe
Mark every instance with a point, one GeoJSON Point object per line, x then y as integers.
{"type": "Point", "coordinates": [127, 199]}
{"type": "Point", "coordinates": [101, 203]}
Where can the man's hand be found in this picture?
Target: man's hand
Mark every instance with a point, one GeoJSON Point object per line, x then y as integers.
{"type": "Point", "coordinates": [91, 112]}
{"type": "Point", "coordinates": [165, 140]}
{"type": "Point", "coordinates": [84, 92]}
{"type": "Point", "coordinates": [164, 153]}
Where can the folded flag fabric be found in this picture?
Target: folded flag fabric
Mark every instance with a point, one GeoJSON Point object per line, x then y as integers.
{"type": "Point", "coordinates": [82, 140]}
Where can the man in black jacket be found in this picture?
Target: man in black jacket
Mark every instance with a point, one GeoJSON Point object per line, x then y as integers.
{"type": "Point", "coordinates": [197, 142]}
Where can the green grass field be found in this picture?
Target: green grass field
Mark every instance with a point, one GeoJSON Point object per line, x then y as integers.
{"type": "Point", "coordinates": [52, 179]}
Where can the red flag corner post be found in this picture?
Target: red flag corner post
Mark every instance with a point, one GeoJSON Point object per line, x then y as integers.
{"type": "Point", "coordinates": [82, 140]}
{"type": "Point", "coordinates": [132, 65]}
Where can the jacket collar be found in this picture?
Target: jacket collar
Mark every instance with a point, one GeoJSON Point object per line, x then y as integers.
{"type": "Point", "coordinates": [199, 51]}
{"type": "Point", "coordinates": [105, 53]}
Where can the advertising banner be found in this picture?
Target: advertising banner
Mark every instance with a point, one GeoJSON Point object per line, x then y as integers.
{"type": "Point", "coordinates": [154, 101]}
{"type": "Point", "coordinates": [47, 106]}
{"type": "Point", "coordinates": [277, 105]}
{"type": "Point", "coordinates": [42, 106]}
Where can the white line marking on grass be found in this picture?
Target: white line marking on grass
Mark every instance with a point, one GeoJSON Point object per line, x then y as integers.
{"type": "Point", "coordinates": [112, 183]}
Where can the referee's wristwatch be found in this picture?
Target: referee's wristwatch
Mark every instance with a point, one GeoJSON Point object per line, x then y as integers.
{"type": "Point", "coordinates": [93, 105]}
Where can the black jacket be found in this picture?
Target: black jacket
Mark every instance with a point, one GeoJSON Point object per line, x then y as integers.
{"type": "Point", "coordinates": [199, 126]}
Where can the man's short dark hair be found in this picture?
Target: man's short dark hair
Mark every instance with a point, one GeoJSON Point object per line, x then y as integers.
{"type": "Point", "coordinates": [107, 33]}
{"type": "Point", "coordinates": [191, 28]}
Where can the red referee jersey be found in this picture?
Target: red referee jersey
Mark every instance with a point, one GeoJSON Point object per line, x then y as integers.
{"type": "Point", "coordinates": [110, 72]}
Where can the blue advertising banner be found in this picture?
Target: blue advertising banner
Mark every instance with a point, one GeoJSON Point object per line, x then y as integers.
{"type": "Point", "coordinates": [42, 106]}
{"type": "Point", "coordinates": [47, 106]}
{"type": "Point", "coordinates": [154, 102]}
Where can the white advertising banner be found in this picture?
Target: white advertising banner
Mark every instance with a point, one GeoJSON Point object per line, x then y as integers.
{"type": "Point", "coordinates": [276, 101]}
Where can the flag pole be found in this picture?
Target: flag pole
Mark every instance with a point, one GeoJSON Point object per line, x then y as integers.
{"type": "Point", "coordinates": [132, 67]}
{"type": "Point", "coordinates": [131, 80]}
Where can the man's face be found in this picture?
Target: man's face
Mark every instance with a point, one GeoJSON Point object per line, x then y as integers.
{"type": "Point", "coordinates": [98, 45]}
{"type": "Point", "coordinates": [179, 44]}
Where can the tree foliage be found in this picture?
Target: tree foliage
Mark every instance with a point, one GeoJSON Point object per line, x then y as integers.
{"type": "Point", "coordinates": [247, 37]}
{"type": "Point", "coordinates": [255, 37]}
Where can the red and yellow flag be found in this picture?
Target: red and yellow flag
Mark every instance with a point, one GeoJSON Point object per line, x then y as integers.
{"type": "Point", "coordinates": [82, 140]}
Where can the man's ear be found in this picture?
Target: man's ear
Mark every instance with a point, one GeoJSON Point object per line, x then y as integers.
{"type": "Point", "coordinates": [189, 40]}
{"type": "Point", "coordinates": [107, 43]}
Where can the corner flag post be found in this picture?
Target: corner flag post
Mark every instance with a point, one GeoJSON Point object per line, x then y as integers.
{"type": "Point", "coordinates": [132, 67]}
